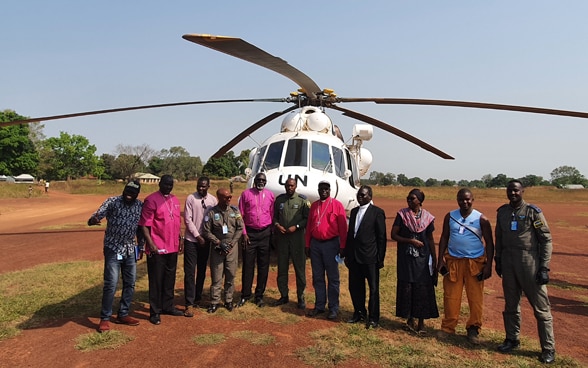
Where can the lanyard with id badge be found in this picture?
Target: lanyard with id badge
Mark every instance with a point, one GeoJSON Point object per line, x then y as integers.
{"type": "Point", "coordinates": [513, 223]}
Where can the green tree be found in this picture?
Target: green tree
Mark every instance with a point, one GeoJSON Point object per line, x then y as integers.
{"type": "Point", "coordinates": [499, 181]}
{"type": "Point", "coordinates": [447, 183]}
{"type": "Point", "coordinates": [402, 179]}
{"type": "Point", "coordinates": [431, 182]}
{"type": "Point", "coordinates": [107, 160]}
{"type": "Point", "coordinates": [223, 167]}
{"type": "Point", "coordinates": [17, 150]}
{"type": "Point", "coordinates": [415, 182]}
{"type": "Point", "coordinates": [177, 162]}
{"type": "Point", "coordinates": [72, 157]}
{"type": "Point", "coordinates": [564, 175]}
{"type": "Point", "coordinates": [531, 180]}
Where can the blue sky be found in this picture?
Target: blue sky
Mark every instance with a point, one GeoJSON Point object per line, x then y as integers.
{"type": "Point", "coordinates": [68, 56]}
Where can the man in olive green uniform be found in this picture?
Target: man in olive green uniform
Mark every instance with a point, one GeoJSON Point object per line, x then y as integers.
{"type": "Point", "coordinates": [523, 252]}
{"type": "Point", "coordinates": [223, 227]}
{"type": "Point", "coordinates": [290, 216]}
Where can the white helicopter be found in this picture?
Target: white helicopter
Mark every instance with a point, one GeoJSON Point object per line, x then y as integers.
{"type": "Point", "coordinates": [309, 147]}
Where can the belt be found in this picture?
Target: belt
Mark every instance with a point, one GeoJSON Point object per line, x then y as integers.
{"type": "Point", "coordinates": [326, 240]}
{"type": "Point", "coordinates": [252, 230]}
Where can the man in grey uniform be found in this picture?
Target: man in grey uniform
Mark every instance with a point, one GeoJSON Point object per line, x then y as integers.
{"type": "Point", "coordinates": [523, 252]}
{"type": "Point", "coordinates": [223, 227]}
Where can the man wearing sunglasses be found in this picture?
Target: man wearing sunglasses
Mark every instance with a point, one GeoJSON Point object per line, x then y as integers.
{"type": "Point", "coordinates": [196, 248]}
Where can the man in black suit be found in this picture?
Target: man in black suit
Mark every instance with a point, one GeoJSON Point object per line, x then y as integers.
{"type": "Point", "coordinates": [365, 252]}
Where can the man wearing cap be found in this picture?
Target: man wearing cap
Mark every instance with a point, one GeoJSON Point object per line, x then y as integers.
{"type": "Point", "coordinates": [196, 247]}
{"type": "Point", "coordinates": [121, 252]}
{"type": "Point", "coordinates": [160, 222]}
{"type": "Point", "coordinates": [326, 234]}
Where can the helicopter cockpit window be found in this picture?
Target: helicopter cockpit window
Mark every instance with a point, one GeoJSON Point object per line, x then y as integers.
{"type": "Point", "coordinates": [321, 158]}
{"type": "Point", "coordinates": [339, 160]}
{"type": "Point", "coordinates": [274, 155]}
{"type": "Point", "coordinates": [257, 159]}
{"type": "Point", "coordinates": [297, 153]}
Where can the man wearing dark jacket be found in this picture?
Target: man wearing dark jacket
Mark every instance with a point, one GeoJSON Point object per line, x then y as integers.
{"type": "Point", "coordinates": [365, 252]}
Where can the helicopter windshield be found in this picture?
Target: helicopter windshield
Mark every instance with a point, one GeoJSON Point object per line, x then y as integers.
{"type": "Point", "coordinates": [321, 157]}
{"type": "Point", "coordinates": [257, 159]}
{"type": "Point", "coordinates": [339, 162]}
{"type": "Point", "coordinates": [296, 153]}
{"type": "Point", "coordinates": [274, 155]}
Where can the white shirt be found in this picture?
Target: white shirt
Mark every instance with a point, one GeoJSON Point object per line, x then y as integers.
{"type": "Point", "coordinates": [360, 213]}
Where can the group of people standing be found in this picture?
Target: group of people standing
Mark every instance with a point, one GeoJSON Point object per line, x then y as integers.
{"type": "Point", "coordinates": [215, 229]}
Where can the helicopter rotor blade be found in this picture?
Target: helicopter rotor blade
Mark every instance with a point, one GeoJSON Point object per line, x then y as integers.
{"type": "Point", "coordinates": [389, 128]}
{"type": "Point", "coordinates": [469, 104]}
{"type": "Point", "coordinates": [130, 108]}
{"type": "Point", "coordinates": [226, 148]}
{"type": "Point", "coordinates": [241, 49]}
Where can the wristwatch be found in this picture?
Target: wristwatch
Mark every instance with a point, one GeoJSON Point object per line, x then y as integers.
{"type": "Point", "coordinates": [297, 226]}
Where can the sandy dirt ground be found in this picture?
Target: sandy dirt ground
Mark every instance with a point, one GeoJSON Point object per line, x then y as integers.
{"type": "Point", "coordinates": [28, 239]}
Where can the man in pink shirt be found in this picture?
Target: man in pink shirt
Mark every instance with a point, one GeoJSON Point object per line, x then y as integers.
{"type": "Point", "coordinates": [257, 208]}
{"type": "Point", "coordinates": [196, 248]}
{"type": "Point", "coordinates": [160, 222]}
{"type": "Point", "coordinates": [326, 234]}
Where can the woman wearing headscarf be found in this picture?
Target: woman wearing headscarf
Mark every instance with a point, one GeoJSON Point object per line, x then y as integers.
{"type": "Point", "coordinates": [416, 263]}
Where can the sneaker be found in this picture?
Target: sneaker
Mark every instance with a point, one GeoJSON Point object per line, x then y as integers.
{"type": "Point", "coordinates": [473, 335]}
{"type": "Point", "coordinates": [103, 326]}
{"type": "Point", "coordinates": [189, 311]}
{"type": "Point", "coordinates": [126, 320]}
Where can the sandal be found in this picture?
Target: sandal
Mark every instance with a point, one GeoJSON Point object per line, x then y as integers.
{"type": "Point", "coordinates": [410, 326]}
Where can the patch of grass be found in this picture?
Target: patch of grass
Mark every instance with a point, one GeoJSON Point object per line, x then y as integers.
{"type": "Point", "coordinates": [48, 292]}
{"type": "Point", "coordinates": [253, 337]}
{"type": "Point", "coordinates": [209, 339]}
{"type": "Point", "coordinates": [101, 341]}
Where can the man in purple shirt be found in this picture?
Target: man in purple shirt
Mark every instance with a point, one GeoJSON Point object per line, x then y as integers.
{"type": "Point", "coordinates": [160, 222]}
{"type": "Point", "coordinates": [257, 208]}
{"type": "Point", "coordinates": [196, 248]}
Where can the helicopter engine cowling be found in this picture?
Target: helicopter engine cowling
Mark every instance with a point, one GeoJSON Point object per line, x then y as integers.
{"type": "Point", "coordinates": [364, 132]}
{"type": "Point", "coordinates": [309, 118]}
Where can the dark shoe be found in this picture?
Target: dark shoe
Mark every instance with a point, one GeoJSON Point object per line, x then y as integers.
{"type": "Point", "coordinates": [174, 312]}
{"type": "Point", "coordinates": [242, 302]}
{"type": "Point", "coordinates": [189, 311]}
{"type": "Point", "coordinates": [154, 318]}
{"type": "Point", "coordinates": [259, 302]}
{"type": "Point", "coordinates": [301, 303]}
{"type": "Point", "coordinates": [357, 317]}
{"type": "Point", "coordinates": [281, 301]}
{"type": "Point", "coordinates": [103, 326]}
{"type": "Point", "coordinates": [371, 324]}
{"type": "Point", "coordinates": [315, 312]}
{"type": "Point", "coordinates": [229, 306]}
{"type": "Point", "coordinates": [127, 320]}
{"type": "Point", "coordinates": [212, 308]}
{"type": "Point", "coordinates": [508, 345]}
{"type": "Point", "coordinates": [473, 335]}
{"type": "Point", "coordinates": [547, 356]}
{"type": "Point", "coordinates": [332, 314]}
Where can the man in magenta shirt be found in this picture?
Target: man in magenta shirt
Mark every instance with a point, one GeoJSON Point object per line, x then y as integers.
{"type": "Point", "coordinates": [160, 222]}
{"type": "Point", "coordinates": [326, 234]}
{"type": "Point", "coordinates": [257, 208]}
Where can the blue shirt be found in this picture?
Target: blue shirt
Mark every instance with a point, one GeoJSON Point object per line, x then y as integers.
{"type": "Point", "coordinates": [465, 235]}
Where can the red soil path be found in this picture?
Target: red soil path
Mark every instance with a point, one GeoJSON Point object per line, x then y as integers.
{"type": "Point", "coordinates": [26, 243]}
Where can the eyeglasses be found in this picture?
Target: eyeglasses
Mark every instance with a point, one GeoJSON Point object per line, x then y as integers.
{"type": "Point", "coordinates": [411, 198]}
{"type": "Point", "coordinates": [203, 204]}
{"type": "Point", "coordinates": [228, 197]}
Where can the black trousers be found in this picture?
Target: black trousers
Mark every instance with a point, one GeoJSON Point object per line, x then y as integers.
{"type": "Point", "coordinates": [358, 274]}
{"type": "Point", "coordinates": [161, 269]}
{"type": "Point", "coordinates": [258, 251]}
{"type": "Point", "coordinates": [195, 261]}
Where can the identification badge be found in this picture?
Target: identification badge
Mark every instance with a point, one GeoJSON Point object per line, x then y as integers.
{"type": "Point", "coordinates": [514, 226]}
{"type": "Point", "coordinates": [225, 229]}
{"type": "Point", "coordinates": [461, 230]}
